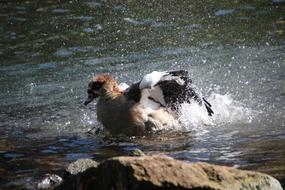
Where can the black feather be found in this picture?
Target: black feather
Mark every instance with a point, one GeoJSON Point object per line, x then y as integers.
{"type": "Point", "coordinates": [133, 92]}
{"type": "Point", "coordinates": [208, 107]}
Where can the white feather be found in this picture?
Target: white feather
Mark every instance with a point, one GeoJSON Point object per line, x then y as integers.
{"type": "Point", "coordinates": [157, 94]}
{"type": "Point", "coordinates": [123, 86]}
{"type": "Point", "coordinates": [151, 79]}
{"type": "Point", "coordinates": [152, 99]}
{"type": "Point", "coordinates": [147, 103]}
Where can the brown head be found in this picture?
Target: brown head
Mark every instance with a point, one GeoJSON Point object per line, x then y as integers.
{"type": "Point", "coordinates": [101, 85]}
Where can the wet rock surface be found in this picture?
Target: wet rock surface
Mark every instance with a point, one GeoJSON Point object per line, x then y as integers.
{"type": "Point", "coordinates": [162, 172]}
{"type": "Point", "coordinates": [49, 181]}
{"type": "Point", "coordinates": [80, 166]}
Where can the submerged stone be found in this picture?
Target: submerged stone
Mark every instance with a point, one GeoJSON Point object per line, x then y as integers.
{"type": "Point", "coordinates": [81, 165]}
{"type": "Point", "coordinates": [49, 181]}
{"type": "Point", "coordinates": [137, 152]}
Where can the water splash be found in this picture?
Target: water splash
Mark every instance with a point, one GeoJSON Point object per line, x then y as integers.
{"type": "Point", "coordinates": [226, 111]}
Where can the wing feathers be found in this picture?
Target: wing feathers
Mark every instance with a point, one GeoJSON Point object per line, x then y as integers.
{"type": "Point", "coordinates": [167, 89]}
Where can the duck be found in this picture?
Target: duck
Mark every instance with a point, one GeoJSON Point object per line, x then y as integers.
{"type": "Point", "coordinates": [148, 105]}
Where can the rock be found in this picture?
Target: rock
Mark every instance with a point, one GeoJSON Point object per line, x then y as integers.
{"type": "Point", "coordinates": [137, 152]}
{"type": "Point", "coordinates": [80, 166]}
{"type": "Point", "coordinates": [162, 172]}
{"type": "Point", "coordinates": [49, 181]}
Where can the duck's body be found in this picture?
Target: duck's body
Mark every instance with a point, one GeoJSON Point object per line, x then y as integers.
{"type": "Point", "coordinates": [147, 105]}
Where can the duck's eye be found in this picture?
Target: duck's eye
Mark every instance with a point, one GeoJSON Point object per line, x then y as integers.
{"type": "Point", "coordinates": [96, 85]}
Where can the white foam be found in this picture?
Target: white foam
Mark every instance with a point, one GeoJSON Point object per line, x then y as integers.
{"type": "Point", "coordinates": [194, 115]}
{"type": "Point", "coordinates": [226, 111]}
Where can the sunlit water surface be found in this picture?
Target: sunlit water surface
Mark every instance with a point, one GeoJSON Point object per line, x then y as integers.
{"type": "Point", "coordinates": [234, 52]}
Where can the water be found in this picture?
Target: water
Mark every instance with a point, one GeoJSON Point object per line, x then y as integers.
{"type": "Point", "coordinates": [234, 51]}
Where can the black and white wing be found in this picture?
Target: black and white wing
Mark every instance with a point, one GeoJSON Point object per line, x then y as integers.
{"type": "Point", "coordinates": [167, 89]}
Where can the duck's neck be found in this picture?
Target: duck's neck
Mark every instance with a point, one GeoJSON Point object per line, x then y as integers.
{"type": "Point", "coordinates": [111, 95]}
{"type": "Point", "coordinates": [112, 92]}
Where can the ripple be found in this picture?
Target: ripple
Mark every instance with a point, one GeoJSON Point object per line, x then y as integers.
{"type": "Point", "coordinates": [59, 10]}
{"type": "Point", "coordinates": [63, 53]}
{"type": "Point", "coordinates": [93, 4]}
{"type": "Point", "coordinates": [88, 30]}
{"type": "Point", "coordinates": [146, 22]}
{"type": "Point", "coordinates": [278, 1]}
{"type": "Point", "coordinates": [13, 155]}
{"type": "Point", "coordinates": [224, 12]}
{"type": "Point", "coordinates": [84, 18]}
{"type": "Point", "coordinates": [75, 156]}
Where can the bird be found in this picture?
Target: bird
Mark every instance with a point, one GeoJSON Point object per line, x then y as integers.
{"type": "Point", "coordinates": [148, 105]}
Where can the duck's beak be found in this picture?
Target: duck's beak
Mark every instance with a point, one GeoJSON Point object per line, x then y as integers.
{"type": "Point", "coordinates": [90, 98]}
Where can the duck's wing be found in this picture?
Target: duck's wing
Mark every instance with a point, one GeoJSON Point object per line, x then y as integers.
{"type": "Point", "coordinates": [177, 88]}
{"type": "Point", "coordinates": [166, 89]}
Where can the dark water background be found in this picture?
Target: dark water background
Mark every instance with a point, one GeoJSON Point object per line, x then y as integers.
{"type": "Point", "coordinates": [234, 51]}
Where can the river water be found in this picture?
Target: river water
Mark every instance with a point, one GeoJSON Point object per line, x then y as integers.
{"type": "Point", "coordinates": [234, 52]}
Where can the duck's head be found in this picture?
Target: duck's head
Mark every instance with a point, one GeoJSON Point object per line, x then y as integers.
{"type": "Point", "coordinates": [100, 85]}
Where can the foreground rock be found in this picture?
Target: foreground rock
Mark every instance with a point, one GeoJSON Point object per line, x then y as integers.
{"type": "Point", "coordinates": [80, 166]}
{"type": "Point", "coordinates": [162, 172]}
